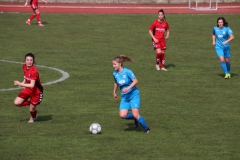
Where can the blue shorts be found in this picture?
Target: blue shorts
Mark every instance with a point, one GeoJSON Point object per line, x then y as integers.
{"type": "Point", "coordinates": [128, 103]}
{"type": "Point", "coordinates": [223, 52]}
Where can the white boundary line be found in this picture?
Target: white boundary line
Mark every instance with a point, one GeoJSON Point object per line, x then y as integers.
{"type": "Point", "coordinates": [65, 75]}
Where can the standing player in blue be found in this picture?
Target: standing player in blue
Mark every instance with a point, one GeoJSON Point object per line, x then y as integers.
{"type": "Point", "coordinates": [221, 36]}
{"type": "Point", "coordinates": [126, 80]}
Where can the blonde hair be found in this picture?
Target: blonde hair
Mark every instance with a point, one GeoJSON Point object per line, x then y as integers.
{"type": "Point", "coordinates": [123, 58]}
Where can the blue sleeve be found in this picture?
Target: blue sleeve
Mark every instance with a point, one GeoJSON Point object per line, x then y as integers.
{"type": "Point", "coordinates": [213, 31]}
{"type": "Point", "coordinates": [230, 31]}
{"type": "Point", "coordinates": [114, 78]}
{"type": "Point", "coordinates": [131, 75]}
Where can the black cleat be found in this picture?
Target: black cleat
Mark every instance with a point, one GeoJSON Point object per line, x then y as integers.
{"type": "Point", "coordinates": [135, 123]}
{"type": "Point", "coordinates": [147, 131]}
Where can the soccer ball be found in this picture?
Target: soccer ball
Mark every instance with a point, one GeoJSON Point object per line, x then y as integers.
{"type": "Point", "coordinates": [95, 128]}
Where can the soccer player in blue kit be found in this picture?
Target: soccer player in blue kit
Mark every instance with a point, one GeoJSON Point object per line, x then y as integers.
{"type": "Point", "coordinates": [126, 80]}
{"type": "Point", "coordinates": [221, 36]}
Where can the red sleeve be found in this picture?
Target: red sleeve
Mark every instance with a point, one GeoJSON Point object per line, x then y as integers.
{"type": "Point", "coordinates": [167, 27]}
{"type": "Point", "coordinates": [152, 26]}
{"type": "Point", "coordinates": [34, 74]}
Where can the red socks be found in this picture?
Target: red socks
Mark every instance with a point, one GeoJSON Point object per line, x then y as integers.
{"type": "Point", "coordinates": [38, 18]}
{"type": "Point", "coordinates": [32, 17]}
{"type": "Point", "coordinates": [33, 113]}
{"type": "Point", "coordinates": [160, 57]}
{"type": "Point", "coordinates": [162, 60]}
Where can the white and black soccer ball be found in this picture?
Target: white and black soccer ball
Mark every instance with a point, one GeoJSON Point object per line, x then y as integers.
{"type": "Point", "coordinates": [95, 128]}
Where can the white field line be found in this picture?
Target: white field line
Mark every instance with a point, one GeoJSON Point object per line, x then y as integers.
{"type": "Point", "coordinates": [65, 75]}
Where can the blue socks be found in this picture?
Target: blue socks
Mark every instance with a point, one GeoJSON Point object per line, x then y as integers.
{"type": "Point", "coordinates": [129, 116]}
{"type": "Point", "coordinates": [228, 66]}
{"type": "Point", "coordinates": [142, 122]}
{"type": "Point", "coordinates": [224, 67]}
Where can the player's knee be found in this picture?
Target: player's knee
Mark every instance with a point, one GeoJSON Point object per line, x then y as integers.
{"type": "Point", "coordinates": [122, 115]}
{"type": "Point", "coordinates": [16, 103]}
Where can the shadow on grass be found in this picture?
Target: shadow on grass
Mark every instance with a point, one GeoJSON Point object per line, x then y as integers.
{"type": "Point", "coordinates": [131, 128]}
{"type": "Point", "coordinates": [44, 23]}
{"type": "Point", "coordinates": [40, 118]}
{"type": "Point", "coordinates": [232, 75]}
{"type": "Point", "coordinates": [170, 65]}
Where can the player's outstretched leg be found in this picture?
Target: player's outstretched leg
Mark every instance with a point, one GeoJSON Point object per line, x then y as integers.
{"type": "Point", "coordinates": [143, 123]}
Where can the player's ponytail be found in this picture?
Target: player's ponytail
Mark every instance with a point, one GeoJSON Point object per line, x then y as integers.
{"type": "Point", "coordinates": [123, 58]}
{"type": "Point", "coordinates": [126, 58]}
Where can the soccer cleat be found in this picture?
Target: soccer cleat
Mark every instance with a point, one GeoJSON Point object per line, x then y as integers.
{"type": "Point", "coordinates": [147, 131]}
{"type": "Point", "coordinates": [227, 76]}
{"type": "Point", "coordinates": [40, 25]}
{"type": "Point", "coordinates": [157, 67]}
{"type": "Point", "coordinates": [135, 123]}
{"type": "Point", "coordinates": [31, 120]}
{"type": "Point", "coordinates": [163, 69]}
{"type": "Point", "coordinates": [28, 23]}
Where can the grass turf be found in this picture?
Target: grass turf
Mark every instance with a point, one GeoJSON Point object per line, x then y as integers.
{"type": "Point", "coordinates": [193, 112]}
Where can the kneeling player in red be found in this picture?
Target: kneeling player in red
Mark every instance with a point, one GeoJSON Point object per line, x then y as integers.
{"type": "Point", "coordinates": [33, 88]}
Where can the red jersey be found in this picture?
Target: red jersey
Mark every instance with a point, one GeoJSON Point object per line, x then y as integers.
{"type": "Point", "coordinates": [159, 28]}
{"type": "Point", "coordinates": [33, 1]}
{"type": "Point", "coordinates": [32, 74]}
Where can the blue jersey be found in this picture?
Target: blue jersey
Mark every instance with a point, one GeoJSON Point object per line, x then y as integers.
{"type": "Point", "coordinates": [222, 35]}
{"type": "Point", "coordinates": [124, 79]}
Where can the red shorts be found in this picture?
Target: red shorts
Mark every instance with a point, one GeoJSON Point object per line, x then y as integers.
{"type": "Point", "coordinates": [34, 6]}
{"type": "Point", "coordinates": [161, 44]}
{"type": "Point", "coordinates": [35, 98]}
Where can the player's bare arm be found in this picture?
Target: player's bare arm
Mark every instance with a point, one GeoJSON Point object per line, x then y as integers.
{"type": "Point", "coordinates": [30, 85]}
{"type": "Point", "coordinates": [213, 40]}
{"type": "Point", "coordinates": [134, 83]}
{"type": "Point", "coordinates": [167, 35]}
{"type": "Point", "coordinates": [26, 3]}
{"type": "Point", "coordinates": [231, 37]}
{"type": "Point", "coordinates": [115, 87]}
{"type": "Point", "coordinates": [151, 34]}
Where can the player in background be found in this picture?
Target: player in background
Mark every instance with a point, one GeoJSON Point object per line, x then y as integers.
{"type": "Point", "coordinates": [33, 87]}
{"type": "Point", "coordinates": [126, 80]}
{"type": "Point", "coordinates": [157, 31]}
{"type": "Point", "coordinates": [221, 36]}
{"type": "Point", "coordinates": [36, 13]}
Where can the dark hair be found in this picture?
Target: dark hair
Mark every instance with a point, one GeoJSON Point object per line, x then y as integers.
{"type": "Point", "coordinates": [161, 10]}
{"type": "Point", "coordinates": [225, 23]}
{"type": "Point", "coordinates": [30, 55]}
{"type": "Point", "coordinates": [122, 58]}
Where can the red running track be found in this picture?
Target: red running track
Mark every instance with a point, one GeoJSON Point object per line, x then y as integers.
{"type": "Point", "coordinates": [120, 8]}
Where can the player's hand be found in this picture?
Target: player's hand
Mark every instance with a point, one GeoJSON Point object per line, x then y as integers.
{"type": "Point", "coordinates": [213, 43]}
{"type": "Point", "coordinates": [166, 37]}
{"type": "Point", "coordinates": [125, 90]}
{"type": "Point", "coordinates": [25, 4]}
{"type": "Point", "coordinates": [16, 83]}
{"type": "Point", "coordinates": [225, 42]}
{"type": "Point", "coordinates": [155, 40]}
{"type": "Point", "coordinates": [115, 96]}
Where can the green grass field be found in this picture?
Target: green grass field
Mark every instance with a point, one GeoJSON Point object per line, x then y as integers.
{"type": "Point", "coordinates": [193, 112]}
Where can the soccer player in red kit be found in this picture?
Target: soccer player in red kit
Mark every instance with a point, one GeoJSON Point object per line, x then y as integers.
{"type": "Point", "coordinates": [36, 13]}
{"type": "Point", "coordinates": [157, 31]}
{"type": "Point", "coordinates": [33, 87]}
